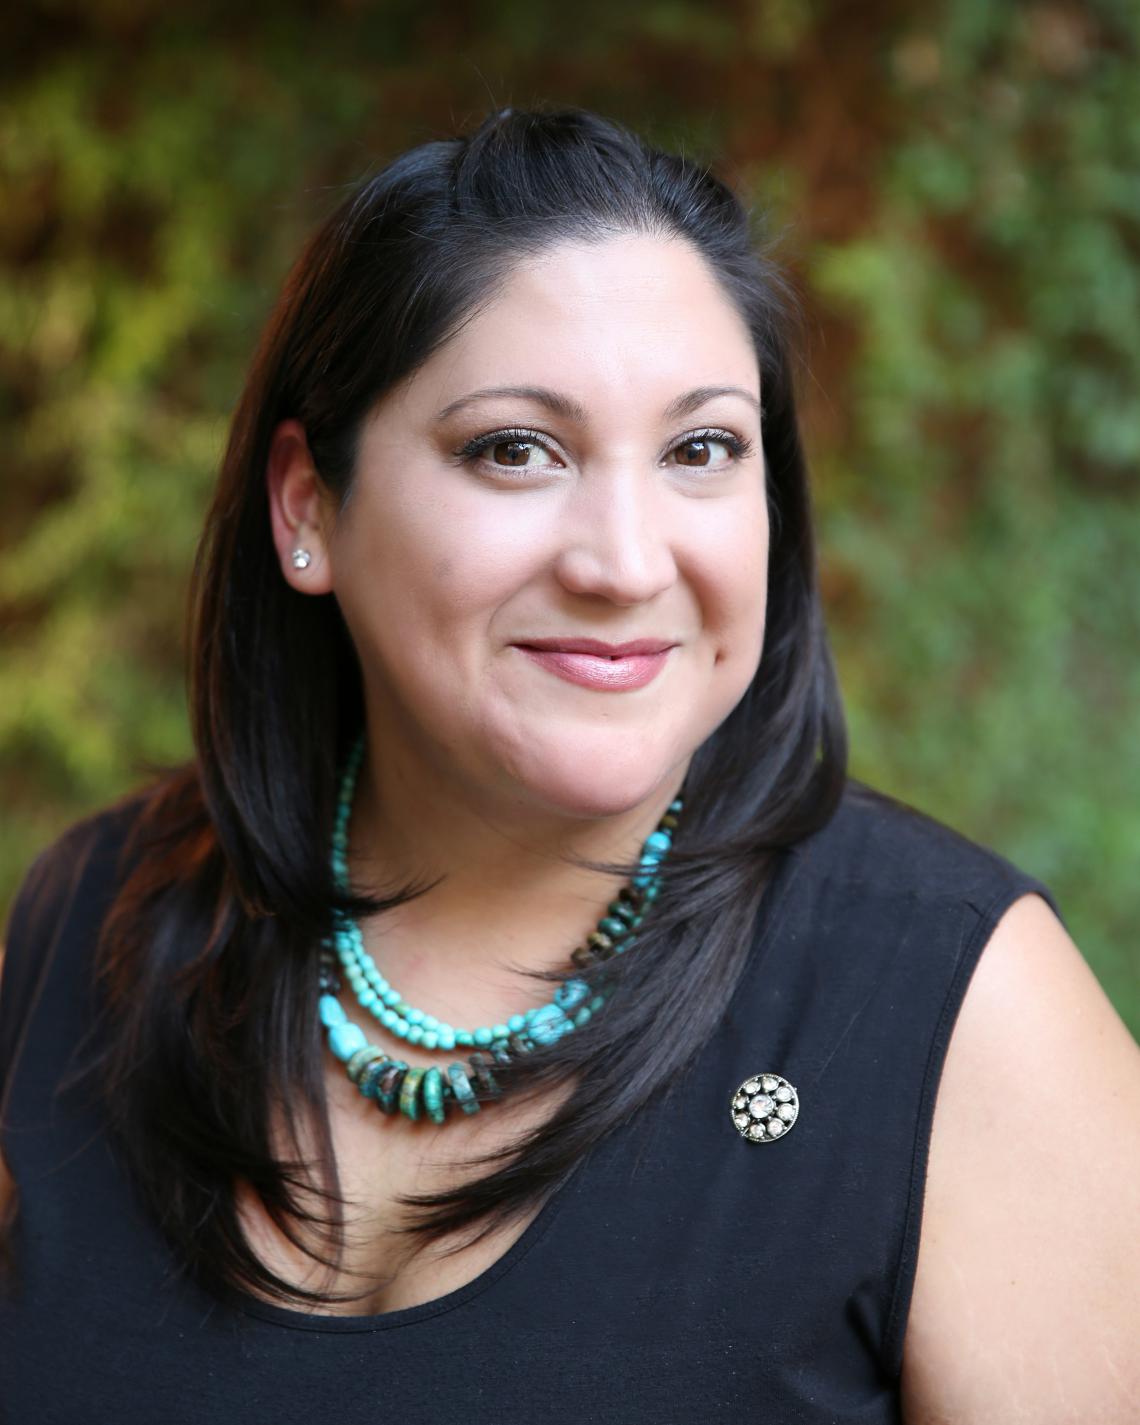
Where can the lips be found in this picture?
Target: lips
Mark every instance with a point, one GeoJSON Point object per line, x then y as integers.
{"type": "Point", "coordinates": [597, 648]}
{"type": "Point", "coordinates": [606, 667]}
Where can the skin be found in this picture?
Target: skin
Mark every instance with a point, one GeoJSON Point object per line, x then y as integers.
{"type": "Point", "coordinates": [483, 767]}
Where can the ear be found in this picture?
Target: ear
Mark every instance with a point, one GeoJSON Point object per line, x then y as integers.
{"type": "Point", "coordinates": [296, 509]}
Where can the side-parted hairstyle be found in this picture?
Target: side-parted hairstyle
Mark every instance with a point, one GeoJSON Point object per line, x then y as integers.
{"type": "Point", "coordinates": [209, 1056]}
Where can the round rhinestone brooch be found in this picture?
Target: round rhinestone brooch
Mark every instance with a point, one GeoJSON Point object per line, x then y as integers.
{"type": "Point", "coordinates": [764, 1108]}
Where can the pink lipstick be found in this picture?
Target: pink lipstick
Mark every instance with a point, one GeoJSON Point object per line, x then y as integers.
{"type": "Point", "coordinates": [592, 664]}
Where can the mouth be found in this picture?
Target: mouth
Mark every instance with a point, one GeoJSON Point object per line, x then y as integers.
{"type": "Point", "coordinates": [597, 649]}
{"type": "Point", "coordinates": [605, 667]}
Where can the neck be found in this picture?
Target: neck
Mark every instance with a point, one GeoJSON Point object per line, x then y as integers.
{"type": "Point", "coordinates": [506, 895]}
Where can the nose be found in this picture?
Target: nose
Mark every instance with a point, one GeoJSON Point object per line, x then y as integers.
{"type": "Point", "coordinates": [616, 543]}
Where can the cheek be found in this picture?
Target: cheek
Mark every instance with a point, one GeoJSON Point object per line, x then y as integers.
{"type": "Point", "coordinates": [422, 581]}
{"type": "Point", "coordinates": [734, 567]}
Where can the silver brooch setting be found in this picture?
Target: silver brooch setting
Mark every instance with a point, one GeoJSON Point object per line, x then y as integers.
{"type": "Point", "coordinates": [764, 1108]}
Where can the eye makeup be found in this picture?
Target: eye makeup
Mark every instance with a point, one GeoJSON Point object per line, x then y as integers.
{"type": "Point", "coordinates": [739, 446]}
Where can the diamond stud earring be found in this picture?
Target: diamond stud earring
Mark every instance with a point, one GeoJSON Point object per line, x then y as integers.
{"type": "Point", "coordinates": [301, 558]}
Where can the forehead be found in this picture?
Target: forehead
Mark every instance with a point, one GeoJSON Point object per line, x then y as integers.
{"type": "Point", "coordinates": [616, 319]}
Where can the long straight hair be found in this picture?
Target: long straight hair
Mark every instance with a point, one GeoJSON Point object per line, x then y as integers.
{"type": "Point", "coordinates": [208, 959]}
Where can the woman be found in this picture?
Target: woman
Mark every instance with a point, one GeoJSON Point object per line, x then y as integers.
{"type": "Point", "coordinates": [698, 1097]}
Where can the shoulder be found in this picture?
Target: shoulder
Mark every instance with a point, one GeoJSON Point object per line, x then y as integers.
{"type": "Point", "coordinates": [886, 845]}
{"type": "Point", "coordinates": [1028, 1279]}
{"type": "Point", "coordinates": [89, 846]}
{"type": "Point", "coordinates": [70, 882]}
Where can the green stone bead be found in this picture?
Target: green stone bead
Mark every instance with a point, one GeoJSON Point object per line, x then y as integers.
{"type": "Point", "coordinates": [387, 1093]}
{"type": "Point", "coordinates": [461, 1088]}
{"type": "Point", "coordinates": [432, 1095]}
{"type": "Point", "coordinates": [370, 1077]}
{"type": "Point", "coordinates": [410, 1093]}
{"type": "Point", "coordinates": [360, 1061]}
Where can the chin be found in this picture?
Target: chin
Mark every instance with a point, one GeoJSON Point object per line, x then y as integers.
{"type": "Point", "coordinates": [592, 785]}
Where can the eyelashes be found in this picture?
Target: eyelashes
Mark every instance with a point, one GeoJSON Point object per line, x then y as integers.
{"type": "Point", "coordinates": [474, 449]}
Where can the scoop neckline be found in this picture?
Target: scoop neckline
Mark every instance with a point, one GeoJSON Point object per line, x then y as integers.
{"type": "Point", "coordinates": [295, 1320]}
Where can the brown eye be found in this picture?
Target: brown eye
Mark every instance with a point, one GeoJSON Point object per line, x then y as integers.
{"type": "Point", "coordinates": [695, 452]}
{"type": "Point", "coordinates": [515, 452]}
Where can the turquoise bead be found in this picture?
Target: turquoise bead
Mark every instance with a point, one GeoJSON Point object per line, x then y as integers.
{"type": "Point", "coordinates": [461, 1087]}
{"type": "Point", "coordinates": [659, 841]}
{"type": "Point", "coordinates": [548, 1024]}
{"type": "Point", "coordinates": [430, 1039]}
{"type": "Point", "coordinates": [483, 1036]}
{"type": "Point", "coordinates": [464, 1039]}
{"type": "Point", "coordinates": [612, 926]}
{"type": "Point", "coordinates": [499, 1031]}
{"type": "Point", "coordinates": [361, 1059]}
{"type": "Point", "coordinates": [370, 1078]}
{"type": "Point", "coordinates": [415, 1033]}
{"type": "Point", "coordinates": [410, 1093]}
{"type": "Point", "coordinates": [387, 1088]}
{"type": "Point", "coordinates": [332, 1011]}
{"type": "Point", "coordinates": [345, 1039]}
{"type": "Point", "coordinates": [446, 1037]}
{"type": "Point", "coordinates": [431, 1091]}
{"type": "Point", "coordinates": [515, 1023]}
{"type": "Point", "coordinates": [570, 993]}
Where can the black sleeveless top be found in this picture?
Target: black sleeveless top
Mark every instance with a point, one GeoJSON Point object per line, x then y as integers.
{"type": "Point", "coordinates": [683, 1273]}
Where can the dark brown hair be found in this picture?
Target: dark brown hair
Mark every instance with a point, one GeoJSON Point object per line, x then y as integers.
{"type": "Point", "coordinates": [209, 957]}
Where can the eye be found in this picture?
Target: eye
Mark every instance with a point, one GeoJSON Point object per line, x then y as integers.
{"type": "Point", "coordinates": [508, 449]}
{"type": "Point", "coordinates": [696, 449]}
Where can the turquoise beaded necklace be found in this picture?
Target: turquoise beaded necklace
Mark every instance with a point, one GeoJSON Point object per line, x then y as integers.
{"type": "Point", "coordinates": [397, 1087]}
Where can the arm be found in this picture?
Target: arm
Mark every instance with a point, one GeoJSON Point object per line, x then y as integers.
{"type": "Point", "coordinates": [1026, 1305]}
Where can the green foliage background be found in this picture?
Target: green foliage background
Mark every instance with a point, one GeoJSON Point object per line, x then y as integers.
{"type": "Point", "coordinates": [958, 190]}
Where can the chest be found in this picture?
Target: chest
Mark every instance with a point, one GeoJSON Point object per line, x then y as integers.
{"type": "Point", "coordinates": [381, 1162]}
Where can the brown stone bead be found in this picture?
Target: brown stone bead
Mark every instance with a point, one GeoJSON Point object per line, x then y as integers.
{"type": "Point", "coordinates": [388, 1087]}
{"type": "Point", "coordinates": [481, 1072]}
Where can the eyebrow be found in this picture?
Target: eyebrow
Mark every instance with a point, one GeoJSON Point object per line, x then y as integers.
{"type": "Point", "coordinates": [572, 410]}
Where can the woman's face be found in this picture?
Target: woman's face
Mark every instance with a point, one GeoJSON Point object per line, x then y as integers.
{"type": "Point", "coordinates": [583, 461]}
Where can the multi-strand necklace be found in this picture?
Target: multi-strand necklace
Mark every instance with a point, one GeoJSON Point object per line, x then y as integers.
{"type": "Point", "coordinates": [419, 1093]}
